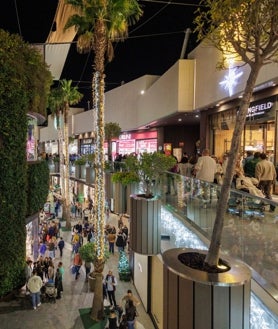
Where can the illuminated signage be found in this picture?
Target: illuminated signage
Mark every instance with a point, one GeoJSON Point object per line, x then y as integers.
{"type": "Point", "coordinates": [259, 108]}
{"type": "Point", "coordinates": [231, 79]}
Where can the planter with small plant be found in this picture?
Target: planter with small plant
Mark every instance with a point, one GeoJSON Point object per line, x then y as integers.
{"type": "Point", "coordinates": [88, 253]}
{"type": "Point", "coordinates": [145, 213]}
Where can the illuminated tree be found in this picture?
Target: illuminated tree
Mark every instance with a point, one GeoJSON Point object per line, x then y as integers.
{"type": "Point", "coordinates": [60, 100]}
{"type": "Point", "coordinates": [245, 31]}
{"type": "Point", "coordinates": [98, 24]}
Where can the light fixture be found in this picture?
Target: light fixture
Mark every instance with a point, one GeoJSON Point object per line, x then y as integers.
{"type": "Point", "coordinates": [179, 119]}
{"type": "Point", "coordinates": [142, 92]}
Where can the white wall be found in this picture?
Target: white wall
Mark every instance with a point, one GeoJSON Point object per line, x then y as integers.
{"type": "Point", "coordinates": [121, 104]}
{"type": "Point", "coordinates": [172, 92]}
{"type": "Point", "coordinates": [141, 277]}
{"type": "Point", "coordinates": [207, 79]}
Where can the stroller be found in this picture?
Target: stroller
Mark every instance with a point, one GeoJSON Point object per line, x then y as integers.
{"type": "Point", "coordinates": [49, 293]}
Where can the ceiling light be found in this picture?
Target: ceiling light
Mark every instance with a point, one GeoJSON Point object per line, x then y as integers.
{"type": "Point", "coordinates": [142, 92]}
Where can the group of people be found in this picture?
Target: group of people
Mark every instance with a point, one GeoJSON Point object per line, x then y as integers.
{"type": "Point", "coordinates": [120, 238]}
{"type": "Point", "coordinates": [123, 315]}
{"type": "Point", "coordinates": [42, 273]}
{"type": "Point", "coordinates": [254, 174]}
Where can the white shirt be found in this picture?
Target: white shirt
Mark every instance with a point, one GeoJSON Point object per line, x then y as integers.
{"type": "Point", "coordinates": [205, 168]}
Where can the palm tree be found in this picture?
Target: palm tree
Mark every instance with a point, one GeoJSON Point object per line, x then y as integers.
{"type": "Point", "coordinates": [98, 24]}
{"type": "Point", "coordinates": [112, 130]}
{"type": "Point", "coordinates": [60, 100]}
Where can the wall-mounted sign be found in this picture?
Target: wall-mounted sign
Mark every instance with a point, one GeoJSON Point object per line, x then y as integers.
{"type": "Point", "coordinates": [260, 108]}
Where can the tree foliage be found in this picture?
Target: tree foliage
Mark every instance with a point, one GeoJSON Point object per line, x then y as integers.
{"type": "Point", "coordinates": [244, 31]}
{"type": "Point", "coordinates": [98, 24]}
{"type": "Point", "coordinates": [24, 86]}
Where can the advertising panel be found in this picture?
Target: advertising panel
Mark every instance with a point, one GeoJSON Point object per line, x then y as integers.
{"type": "Point", "coordinates": [146, 145]}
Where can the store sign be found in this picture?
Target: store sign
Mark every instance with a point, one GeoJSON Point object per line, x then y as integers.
{"type": "Point", "coordinates": [126, 146]}
{"type": "Point", "coordinates": [260, 108]}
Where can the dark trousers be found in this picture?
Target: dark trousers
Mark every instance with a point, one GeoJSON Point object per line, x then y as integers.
{"type": "Point", "coordinates": [265, 186]}
{"type": "Point", "coordinates": [111, 295]}
{"type": "Point", "coordinates": [61, 252]}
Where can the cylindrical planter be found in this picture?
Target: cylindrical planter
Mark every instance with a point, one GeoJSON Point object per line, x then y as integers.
{"type": "Point", "coordinates": [195, 299]}
{"type": "Point", "coordinates": [90, 175]}
{"type": "Point", "coordinates": [145, 225]}
{"type": "Point", "coordinates": [119, 196]}
{"type": "Point", "coordinates": [92, 283]}
{"type": "Point", "coordinates": [131, 188]}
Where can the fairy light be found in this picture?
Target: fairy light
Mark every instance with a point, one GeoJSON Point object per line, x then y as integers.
{"type": "Point", "coordinates": [98, 87]}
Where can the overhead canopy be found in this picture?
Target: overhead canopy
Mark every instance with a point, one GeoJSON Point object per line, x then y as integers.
{"type": "Point", "coordinates": [58, 42]}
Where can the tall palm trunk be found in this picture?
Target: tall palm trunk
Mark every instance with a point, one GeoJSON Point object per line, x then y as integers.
{"type": "Point", "coordinates": [98, 104]}
{"type": "Point", "coordinates": [61, 151]}
{"type": "Point", "coordinates": [214, 248]}
{"type": "Point", "coordinates": [66, 206]}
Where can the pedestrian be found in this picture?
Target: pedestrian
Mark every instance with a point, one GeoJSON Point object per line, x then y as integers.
{"type": "Point", "coordinates": [61, 245]}
{"type": "Point", "coordinates": [111, 283]}
{"type": "Point", "coordinates": [87, 269]}
{"type": "Point", "coordinates": [62, 272]}
{"type": "Point", "coordinates": [112, 320]}
{"type": "Point", "coordinates": [121, 241]}
{"type": "Point", "coordinates": [111, 238]}
{"type": "Point", "coordinates": [58, 283]}
{"type": "Point", "coordinates": [266, 174]}
{"type": "Point", "coordinates": [77, 262]}
{"type": "Point", "coordinates": [130, 296]}
{"type": "Point", "coordinates": [205, 170]}
{"type": "Point", "coordinates": [34, 285]}
{"type": "Point", "coordinates": [131, 313]}
{"type": "Point", "coordinates": [28, 273]}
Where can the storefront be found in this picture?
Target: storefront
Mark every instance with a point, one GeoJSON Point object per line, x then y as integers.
{"type": "Point", "coordinates": [137, 142]}
{"type": "Point", "coordinates": [259, 133]}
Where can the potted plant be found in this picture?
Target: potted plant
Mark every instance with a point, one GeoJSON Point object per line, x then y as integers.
{"type": "Point", "coordinates": [145, 229]}
{"type": "Point", "coordinates": [124, 183]}
{"type": "Point", "coordinates": [90, 170]}
{"type": "Point", "coordinates": [88, 253]}
{"type": "Point", "coordinates": [80, 167]}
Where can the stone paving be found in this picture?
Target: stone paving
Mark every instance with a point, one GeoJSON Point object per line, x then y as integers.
{"type": "Point", "coordinates": [64, 314]}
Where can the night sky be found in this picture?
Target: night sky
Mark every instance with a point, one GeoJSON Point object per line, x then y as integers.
{"type": "Point", "coordinates": [153, 46]}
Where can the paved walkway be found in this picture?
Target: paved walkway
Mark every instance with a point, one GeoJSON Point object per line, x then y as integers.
{"type": "Point", "coordinates": [64, 314]}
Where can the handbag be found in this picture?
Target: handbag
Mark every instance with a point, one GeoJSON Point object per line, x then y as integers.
{"type": "Point", "coordinates": [73, 269]}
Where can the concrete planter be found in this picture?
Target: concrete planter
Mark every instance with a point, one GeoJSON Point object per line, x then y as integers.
{"type": "Point", "coordinates": [119, 196]}
{"type": "Point", "coordinates": [195, 299]}
{"type": "Point", "coordinates": [90, 175]}
{"type": "Point", "coordinates": [145, 225]}
{"type": "Point", "coordinates": [92, 283]}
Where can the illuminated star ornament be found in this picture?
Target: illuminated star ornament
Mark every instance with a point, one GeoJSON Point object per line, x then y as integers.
{"type": "Point", "coordinates": [230, 79]}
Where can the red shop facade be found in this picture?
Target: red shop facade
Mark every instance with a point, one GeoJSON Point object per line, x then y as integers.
{"type": "Point", "coordinates": [135, 142]}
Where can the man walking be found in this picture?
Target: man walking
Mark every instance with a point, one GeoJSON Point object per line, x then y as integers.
{"type": "Point", "coordinates": [111, 283]}
{"type": "Point", "coordinates": [266, 174]}
{"type": "Point", "coordinates": [34, 285]}
{"type": "Point", "coordinates": [205, 170]}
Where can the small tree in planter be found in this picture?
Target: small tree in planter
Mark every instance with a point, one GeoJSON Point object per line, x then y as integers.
{"type": "Point", "coordinates": [111, 130]}
{"type": "Point", "coordinates": [88, 253]}
{"type": "Point", "coordinates": [147, 168]}
{"type": "Point", "coordinates": [123, 267]}
{"type": "Point", "coordinates": [145, 227]}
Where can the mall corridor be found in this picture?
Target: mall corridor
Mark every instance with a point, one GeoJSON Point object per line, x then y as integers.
{"type": "Point", "coordinates": [64, 314]}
